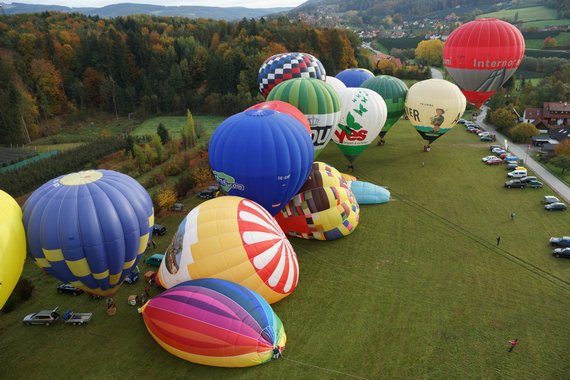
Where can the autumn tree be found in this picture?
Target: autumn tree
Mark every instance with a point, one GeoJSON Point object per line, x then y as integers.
{"type": "Point", "coordinates": [549, 42]}
{"type": "Point", "coordinates": [503, 119]}
{"type": "Point", "coordinates": [430, 52]}
{"type": "Point", "coordinates": [162, 132]}
{"type": "Point", "coordinates": [165, 198]}
{"type": "Point", "coordinates": [49, 87]}
{"type": "Point", "coordinates": [523, 132]}
{"type": "Point", "coordinates": [562, 161]}
{"type": "Point", "coordinates": [563, 148]}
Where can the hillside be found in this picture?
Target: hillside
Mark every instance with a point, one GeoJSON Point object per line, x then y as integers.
{"type": "Point", "coordinates": [126, 9]}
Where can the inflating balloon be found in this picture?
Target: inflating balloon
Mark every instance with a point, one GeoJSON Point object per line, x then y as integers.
{"type": "Point", "coordinates": [262, 155]}
{"type": "Point", "coordinates": [319, 103]}
{"type": "Point", "coordinates": [89, 228]}
{"type": "Point", "coordinates": [324, 209]}
{"type": "Point", "coordinates": [279, 106]}
{"type": "Point", "coordinates": [234, 239]}
{"type": "Point", "coordinates": [363, 114]}
{"type": "Point", "coordinates": [285, 66]}
{"type": "Point", "coordinates": [367, 193]}
{"type": "Point", "coordinates": [482, 55]}
{"type": "Point", "coordinates": [12, 246]}
{"type": "Point", "coordinates": [393, 91]}
{"type": "Point", "coordinates": [433, 107]}
{"type": "Point", "coordinates": [215, 322]}
{"type": "Point", "coordinates": [354, 77]}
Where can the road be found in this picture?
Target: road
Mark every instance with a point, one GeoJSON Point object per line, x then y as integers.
{"type": "Point", "coordinates": [521, 151]}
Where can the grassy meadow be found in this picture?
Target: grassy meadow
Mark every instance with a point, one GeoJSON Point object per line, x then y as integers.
{"type": "Point", "coordinates": [524, 14]}
{"type": "Point", "coordinates": [420, 290]}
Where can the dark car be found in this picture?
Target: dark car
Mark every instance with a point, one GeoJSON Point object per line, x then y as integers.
{"type": "Point", "coordinates": [512, 166]}
{"type": "Point", "coordinates": [132, 278]}
{"type": "Point", "coordinates": [491, 147]}
{"type": "Point", "coordinates": [44, 317]}
{"type": "Point", "coordinates": [209, 193]}
{"type": "Point", "coordinates": [69, 289]}
{"type": "Point", "coordinates": [178, 207]}
{"type": "Point", "coordinates": [535, 184]}
{"type": "Point", "coordinates": [557, 206]}
{"type": "Point", "coordinates": [528, 178]}
{"type": "Point", "coordinates": [488, 138]}
{"type": "Point", "coordinates": [561, 252]}
{"type": "Point", "coordinates": [563, 241]}
{"type": "Point", "coordinates": [515, 183]}
{"type": "Point", "coordinates": [158, 229]}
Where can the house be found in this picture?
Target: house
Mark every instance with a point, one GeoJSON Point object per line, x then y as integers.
{"type": "Point", "coordinates": [557, 113]}
{"type": "Point", "coordinates": [532, 114]}
{"type": "Point", "coordinates": [560, 134]}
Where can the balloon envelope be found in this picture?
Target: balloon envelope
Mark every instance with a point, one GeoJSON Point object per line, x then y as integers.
{"type": "Point", "coordinates": [324, 209]}
{"type": "Point", "coordinates": [279, 106]}
{"type": "Point", "coordinates": [214, 322]}
{"type": "Point", "coordinates": [318, 101]}
{"type": "Point", "coordinates": [285, 66]}
{"type": "Point", "coordinates": [234, 239]}
{"type": "Point", "coordinates": [89, 228]}
{"type": "Point", "coordinates": [12, 246]}
{"type": "Point", "coordinates": [336, 84]}
{"type": "Point", "coordinates": [482, 55]}
{"type": "Point", "coordinates": [262, 155]}
{"type": "Point", "coordinates": [393, 91]}
{"type": "Point", "coordinates": [367, 193]}
{"type": "Point", "coordinates": [433, 107]}
{"type": "Point", "coordinates": [354, 77]}
{"type": "Point", "coordinates": [363, 114]}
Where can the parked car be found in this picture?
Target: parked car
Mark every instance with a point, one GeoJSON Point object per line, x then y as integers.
{"type": "Point", "coordinates": [210, 192]}
{"type": "Point", "coordinates": [484, 159]}
{"type": "Point", "coordinates": [483, 133]}
{"type": "Point", "coordinates": [563, 241]}
{"type": "Point", "coordinates": [491, 147]}
{"type": "Point", "coordinates": [488, 138]}
{"type": "Point", "coordinates": [528, 178]}
{"type": "Point", "coordinates": [535, 184]}
{"type": "Point", "coordinates": [517, 173]}
{"type": "Point", "coordinates": [494, 161]}
{"type": "Point", "coordinates": [557, 206]}
{"type": "Point", "coordinates": [497, 150]}
{"type": "Point", "coordinates": [512, 166]}
{"type": "Point", "coordinates": [158, 229]}
{"type": "Point", "coordinates": [69, 289]}
{"type": "Point", "coordinates": [132, 278]}
{"type": "Point", "coordinates": [155, 260]}
{"type": "Point", "coordinates": [511, 158]}
{"type": "Point", "coordinates": [561, 252]}
{"type": "Point", "coordinates": [515, 183]}
{"type": "Point", "coordinates": [178, 207]}
{"type": "Point", "coordinates": [550, 199]}
{"type": "Point", "coordinates": [461, 121]}
{"type": "Point", "coordinates": [44, 317]}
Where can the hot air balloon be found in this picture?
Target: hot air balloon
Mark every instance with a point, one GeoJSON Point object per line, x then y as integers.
{"type": "Point", "coordinates": [336, 84]}
{"type": "Point", "coordinates": [89, 228]}
{"type": "Point", "coordinates": [262, 155]}
{"type": "Point", "coordinates": [393, 91]}
{"type": "Point", "coordinates": [433, 107]}
{"type": "Point", "coordinates": [12, 246]}
{"type": "Point", "coordinates": [481, 56]}
{"type": "Point", "coordinates": [235, 239]}
{"type": "Point", "coordinates": [324, 209]}
{"type": "Point", "coordinates": [363, 114]}
{"type": "Point", "coordinates": [354, 77]}
{"type": "Point", "coordinates": [279, 106]}
{"type": "Point", "coordinates": [285, 66]}
{"type": "Point", "coordinates": [367, 193]}
{"type": "Point", "coordinates": [319, 103]}
{"type": "Point", "coordinates": [215, 322]}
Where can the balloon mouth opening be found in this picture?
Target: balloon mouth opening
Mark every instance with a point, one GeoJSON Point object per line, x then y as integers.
{"type": "Point", "coordinates": [260, 112]}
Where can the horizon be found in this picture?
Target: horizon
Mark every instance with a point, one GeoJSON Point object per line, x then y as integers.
{"type": "Point", "coordinates": [174, 3]}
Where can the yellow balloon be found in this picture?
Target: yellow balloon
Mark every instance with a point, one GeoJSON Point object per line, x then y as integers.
{"type": "Point", "coordinates": [12, 245]}
{"type": "Point", "coordinates": [434, 106]}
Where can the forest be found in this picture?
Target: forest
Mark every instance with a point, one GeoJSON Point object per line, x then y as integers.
{"type": "Point", "coordinates": [53, 64]}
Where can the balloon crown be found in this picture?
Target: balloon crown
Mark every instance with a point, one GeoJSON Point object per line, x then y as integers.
{"type": "Point", "coordinates": [260, 112]}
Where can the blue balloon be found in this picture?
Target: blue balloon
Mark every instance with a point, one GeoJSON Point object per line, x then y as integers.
{"type": "Point", "coordinates": [262, 155]}
{"type": "Point", "coordinates": [354, 77]}
{"type": "Point", "coordinates": [368, 193]}
{"type": "Point", "coordinates": [89, 228]}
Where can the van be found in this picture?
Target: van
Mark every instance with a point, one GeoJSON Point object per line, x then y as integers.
{"type": "Point", "coordinates": [517, 173]}
{"type": "Point", "coordinates": [155, 260]}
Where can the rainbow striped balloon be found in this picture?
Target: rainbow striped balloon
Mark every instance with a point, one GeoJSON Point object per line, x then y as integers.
{"type": "Point", "coordinates": [215, 322]}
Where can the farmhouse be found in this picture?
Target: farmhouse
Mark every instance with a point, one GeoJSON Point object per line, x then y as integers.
{"type": "Point", "coordinates": [550, 116]}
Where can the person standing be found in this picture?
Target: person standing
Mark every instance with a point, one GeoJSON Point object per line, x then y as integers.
{"type": "Point", "coordinates": [513, 343]}
{"type": "Point", "coordinates": [513, 216]}
{"type": "Point", "coordinates": [498, 240]}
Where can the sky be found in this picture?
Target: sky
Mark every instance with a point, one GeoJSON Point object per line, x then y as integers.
{"type": "Point", "coordinates": [212, 3]}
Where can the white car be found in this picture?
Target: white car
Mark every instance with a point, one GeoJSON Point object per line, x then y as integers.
{"type": "Point", "coordinates": [517, 174]}
{"type": "Point", "coordinates": [487, 158]}
{"type": "Point", "coordinates": [483, 134]}
{"type": "Point", "coordinates": [497, 150]}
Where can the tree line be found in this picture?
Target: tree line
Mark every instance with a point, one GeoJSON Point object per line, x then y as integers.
{"type": "Point", "coordinates": [52, 64]}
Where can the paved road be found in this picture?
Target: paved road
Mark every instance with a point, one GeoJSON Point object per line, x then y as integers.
{"type": "Point", "coordinates": [521, 151]}
{"type": "Point", "coordinates": [435, 73]}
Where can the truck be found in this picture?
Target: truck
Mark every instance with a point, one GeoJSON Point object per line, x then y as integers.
{"type": "Point", "coordinates": [76, 318]}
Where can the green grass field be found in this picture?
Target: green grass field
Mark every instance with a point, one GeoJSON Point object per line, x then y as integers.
{"type": "Point", "coordinates": [419, 291]}
{"type": "Point", "coordinates": [524, 14]}
{"type": "Point", "coordinates": [563, 40]}
{"type": "Point", "coordinates": [173, 123]}
{"type": "Point", "coordinates": [544, 23]}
